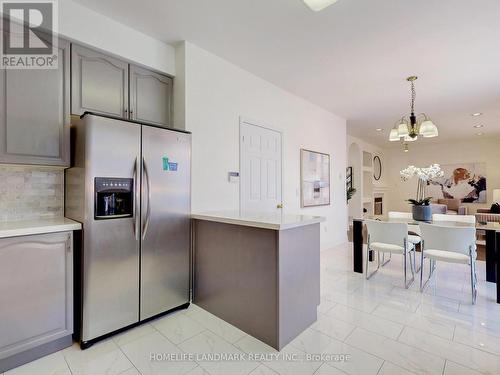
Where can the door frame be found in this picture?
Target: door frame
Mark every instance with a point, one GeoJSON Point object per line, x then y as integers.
{"type": "Point", "coordinates": [249, 121]}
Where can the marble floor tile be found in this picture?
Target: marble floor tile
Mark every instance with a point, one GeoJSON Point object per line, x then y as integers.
{"type": "Point", "coordinates": [435, 325]}
{"type": "Point", "coordinates": [263, 370]}
{"type": "Point", "coordinates": [406, 356]}
{"type": "Point", "coordinates": [325, 306]}
{"type": "Point", "coordinates": [293, 361]}
{"type": "Point", "coordinates": [364, 327]}
{"type": "Point", "coordinates": [367, 321]}
{"type": "Point", "coordinates": [453, 368]}
{"type": "Point", "coordinates": [198, 371]}
{"type": "Point", "coordinates": [359, 302]}
{"type": "Point", "coordinates": [390, 369]}
{"type": "Point", "coordinates": [178, 328]}
{"type": "Point", "coordinates": [146, 355]}
{"type": "Point", "coordinates": [352, 360]}
{"type": "Point", "coordinates": [208, 343]}
{"type": "Point", "coordinates": [130, 371]}
{"type": "Point", "coordinates": [489, 311]}
{"type": "Point", "coordinates": [250, 344]}
{"type": "Point", "coordinates": [326, 369]}
{"type": "Point", "coordinates": [482, 341]}
{"type": "Point", "coordinates": [462, 320]}
{"type": "Point", "coordinates": [215, 324]}
{"type": "Point", "coordinates": [133, 334]}
{"type": "Point", "coordinates": [312, 341]}
{"type": "Point", "coordinates": [102, 358]}
{"type": "Point", "coordinates": [462, 354]}
{"type": "Point", "coordinates": [53, 364]}
{"type": "Point", "coordinates": [333, 327]}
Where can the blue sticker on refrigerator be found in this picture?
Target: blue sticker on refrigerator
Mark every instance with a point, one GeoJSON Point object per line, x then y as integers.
{"type": "Point", "coordinates": [168, 165]}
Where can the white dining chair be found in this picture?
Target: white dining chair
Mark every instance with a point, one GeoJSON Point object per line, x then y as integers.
{"type": "Point", "coordinates": [448, 244]}
{"type": "Point", "coordinates": [392, 238]}
{"type": "Point", "coordinates": [469, 219]}
{"type": "Point", "coordinates": [413, 238]}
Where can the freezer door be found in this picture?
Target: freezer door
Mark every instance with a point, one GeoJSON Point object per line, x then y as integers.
{"type": "Point", "coordinates": [166, 159]}
{"type": "Point", "coordinates": [111, 246]}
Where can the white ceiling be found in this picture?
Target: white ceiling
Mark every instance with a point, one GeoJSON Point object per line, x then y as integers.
{"type": "Point", "coordinates": [351, 58]}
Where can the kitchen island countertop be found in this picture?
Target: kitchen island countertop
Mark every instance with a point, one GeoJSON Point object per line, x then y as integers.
{"type": "Point", "coordinates": [275, 221]}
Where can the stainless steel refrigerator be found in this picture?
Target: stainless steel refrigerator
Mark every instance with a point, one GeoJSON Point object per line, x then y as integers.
{"type": "Point", "coordinates": [129, 185]}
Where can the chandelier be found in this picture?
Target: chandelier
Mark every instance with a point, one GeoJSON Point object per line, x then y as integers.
{"type": "Point", "coordinates": [409, 128]}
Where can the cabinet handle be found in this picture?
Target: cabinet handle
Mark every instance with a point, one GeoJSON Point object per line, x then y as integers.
{"type": "Point", "coordinates": [131, 114]}
{"type": "Point", "coordinates": [125, 111]}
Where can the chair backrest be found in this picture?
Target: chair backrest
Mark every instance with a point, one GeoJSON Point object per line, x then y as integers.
{"type": "Point", "coordinates": [470, 219]}
{"type": "Point", "coordinates": [386, 232]}
{"type": "Point", "coordinates": [454, 239]}
{"type": "Point", "coordinates": [399, 215]}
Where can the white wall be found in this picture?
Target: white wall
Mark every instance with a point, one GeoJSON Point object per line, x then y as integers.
{"type": "Point", "coordinates": [90, 28]}
{"type": "Point", "coordinates": [216, 94]}
{"type": "Point", "coordinates": [421, 154]}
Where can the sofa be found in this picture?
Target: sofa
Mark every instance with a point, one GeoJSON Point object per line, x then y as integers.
{"type": "Point", "coordinates": [483, 215]}
{"type": "Point", "coordinates": [449, 207]}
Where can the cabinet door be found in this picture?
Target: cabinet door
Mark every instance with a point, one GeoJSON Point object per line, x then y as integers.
{"type": "Point", "coordinates": [99, 83]}
{"type": "Point", "coordinates": [150, 96]}
{"type": "Point", "coordinates": [34, 113]}
{"type": "Point", "coordinates": [36, 291]}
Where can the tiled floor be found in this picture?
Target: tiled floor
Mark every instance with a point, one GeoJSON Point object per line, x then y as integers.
{"type": "Point", "coordinates": [384, 328]}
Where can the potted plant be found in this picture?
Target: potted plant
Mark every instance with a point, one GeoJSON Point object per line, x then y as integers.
{"type": "Point", "coordinates": [421, 208]}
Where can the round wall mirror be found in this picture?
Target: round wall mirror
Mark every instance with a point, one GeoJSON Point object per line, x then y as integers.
{"type": "Point", "coordinates": [377, 168]}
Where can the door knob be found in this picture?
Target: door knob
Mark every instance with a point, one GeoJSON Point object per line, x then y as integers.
{"type": "Point", "coordinates": [279, 205]}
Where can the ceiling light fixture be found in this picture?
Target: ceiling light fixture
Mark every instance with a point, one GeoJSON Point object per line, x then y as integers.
{"type": "Point", "coordinates": [408, 128]}
{"type": "Point", "coordinates": [379, 129]}
{"type": "Point", "coordinates": [479, 126]}
{"type": "Point", "coordinates": [476, 114]}
{"type": "Point", "coordinates": [317, 5]}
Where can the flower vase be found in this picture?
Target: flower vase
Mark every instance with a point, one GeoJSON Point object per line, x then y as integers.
{"type": "Point", "coordinates": [422, 213]}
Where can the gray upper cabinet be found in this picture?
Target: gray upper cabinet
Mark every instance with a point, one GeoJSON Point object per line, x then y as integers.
{"type": "Point", "coordinates": [35, 113]}
{"type": "Point", "coordinates": [99, 83]}
{"type": "Point", "coordinates": [150, 96]}
{"type": "Point", "coordinates": [36, 291]}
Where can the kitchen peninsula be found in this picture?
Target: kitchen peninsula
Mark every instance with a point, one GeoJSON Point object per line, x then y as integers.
{"type": "Point", "coordinates": [259, 272]}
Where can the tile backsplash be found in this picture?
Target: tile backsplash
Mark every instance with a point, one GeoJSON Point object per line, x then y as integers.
{"type": "Point", "coordinates": [30, 192]}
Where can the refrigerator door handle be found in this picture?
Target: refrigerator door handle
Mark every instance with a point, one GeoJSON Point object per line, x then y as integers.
{"type": "Point", "coordinates": [148, 209]}
{"type": "Point", "coordinates": [136, 202]}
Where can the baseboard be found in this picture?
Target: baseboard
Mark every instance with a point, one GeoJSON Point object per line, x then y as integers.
{"type": "Point", "coordinates": [30, 355]}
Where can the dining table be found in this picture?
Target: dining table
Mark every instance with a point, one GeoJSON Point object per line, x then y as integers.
{"type": "Point", "coordinates": [492, 243]}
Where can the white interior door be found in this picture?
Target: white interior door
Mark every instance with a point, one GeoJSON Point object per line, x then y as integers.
{"type": "Point", "coordinates": [260, 168]}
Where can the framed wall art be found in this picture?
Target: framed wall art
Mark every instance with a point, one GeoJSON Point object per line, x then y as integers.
{"type": "Point", "coordinates": [315, 178]}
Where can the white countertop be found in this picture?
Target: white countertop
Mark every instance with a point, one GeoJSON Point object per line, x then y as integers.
{"type": "Point", "coordinates": [40, 226]}
{"type": "Point", "coordinates": [276, 221]}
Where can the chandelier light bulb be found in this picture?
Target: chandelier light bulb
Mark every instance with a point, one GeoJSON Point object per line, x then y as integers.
{"type": "Point", "coordinates": [403, 130]}
{"type": "Point", "coordinates": [428, 129]}
{"type": "Point", "coordinates": [394, 136]}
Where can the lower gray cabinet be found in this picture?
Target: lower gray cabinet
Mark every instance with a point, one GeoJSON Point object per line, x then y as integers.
{"type": "Point", "coordinates": [35, 113]}
{"type": "Point", "coordinates": [150, 96]}
{"type": "Point", "coordinates": [36, 296]}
